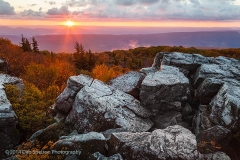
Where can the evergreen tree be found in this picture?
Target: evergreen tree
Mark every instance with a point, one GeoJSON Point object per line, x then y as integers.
{"type": "Point", "coordinates": [79, 57]}
{"type": "Point", "coordinates": [35, 45]}
{"type": "Point", "coordinates": [25, 45]}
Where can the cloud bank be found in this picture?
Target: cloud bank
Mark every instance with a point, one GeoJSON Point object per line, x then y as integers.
{"type": "Point", "coordinates": [218, 10]}
{"type": "Point", "coordinates": [6, 8]}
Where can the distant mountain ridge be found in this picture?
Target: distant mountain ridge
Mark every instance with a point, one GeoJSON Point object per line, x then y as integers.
{"type": "Point", "coordinates": [107, 42]}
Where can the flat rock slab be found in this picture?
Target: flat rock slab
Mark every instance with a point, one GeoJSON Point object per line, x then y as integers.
{"type": "Point", "coordinates": [164, 90]}
{"type": "Point", "coordinates": [101, 107]}
{"type": "Point", "coordinates": [174, 142]}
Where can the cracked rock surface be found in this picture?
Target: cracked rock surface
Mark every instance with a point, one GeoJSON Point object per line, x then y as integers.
{"type": "Point", "coordinates": [100, 107]}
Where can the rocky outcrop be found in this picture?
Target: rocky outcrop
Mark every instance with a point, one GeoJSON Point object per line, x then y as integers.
{"type": "Point", "coordinates": [164, 90]}
{"type": "Point", "coordinates": [9, 135]}
{"type": "Point", "coordinates": [149, 115]}
{"type": "Point", "coordinates": [100, 107]}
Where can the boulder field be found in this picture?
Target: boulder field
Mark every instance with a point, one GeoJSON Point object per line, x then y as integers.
{"type": "Point", "coordinates": [187, 110]}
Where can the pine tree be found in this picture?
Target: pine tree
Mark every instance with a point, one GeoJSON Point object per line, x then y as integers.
{"type": "Point", "coordinates": [25, 45]}
{"type": "Point", "coordinates": [79, 57]}
{"type": "Point", "coordinates": [35, 45]}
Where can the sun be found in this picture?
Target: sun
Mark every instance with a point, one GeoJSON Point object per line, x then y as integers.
{"type": "Point", "coordinates": [69, 23]}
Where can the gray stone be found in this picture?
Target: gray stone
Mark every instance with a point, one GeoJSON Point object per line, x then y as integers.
{"type": "Point", "coordinates": [74, 84]}
{"type": "Point", "coordinates": [216, 71]}
{"type": "Point", "coordinates": [174, 142]}
{"type": "Point", "coordinates": [225, 107]}
{"type": "Point", "coordinates": [129, 83]}
{"type": "Point", "coordinates": [100, 107]}
{"type": "Point", "coordinates": [9, 135]}
{"type": "Point", "coordinates": [85, 144]}
{"type": "Point", "coordinates": [189, 62]}
{"type": "Point", "coordinates": [164, 90]}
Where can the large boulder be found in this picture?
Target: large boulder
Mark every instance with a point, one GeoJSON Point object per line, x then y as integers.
{"type": "Point", "coordinates": [99, 107]}
{"type": "Point", "coordinates": [214, 139]}
{"type": "Point", "coordinates": [9, 135]}
{"type": "Point", "coordinates": [164, 90]}
{"type": "Point", "coordinates": [225, 107]}
{"type": "Point", "coordinates": [129, 83]}
{"type": "Point", "coordinates": [65, 100]}
{"type": "Point", "coordinates": [174, 142]}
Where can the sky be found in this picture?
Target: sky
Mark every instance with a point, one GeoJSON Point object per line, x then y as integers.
{"type": "Point", "coordinates": [137, 13]}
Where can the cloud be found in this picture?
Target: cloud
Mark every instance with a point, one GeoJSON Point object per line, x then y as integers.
{"type": "Point", "coordinates": [125, 2]}
{"type": "Point", "coordinates": [58, 11]}
{"type": "Point", "coordinates": [31, 13]}
{"type": "Point", "coordinates": [32, 5]}
{"type": "Point", "coordinates": [137, 10]}
{"type": "Point", "coordinates": [6, 9]}
{"type": "Point", "coordinates": [52, 3]}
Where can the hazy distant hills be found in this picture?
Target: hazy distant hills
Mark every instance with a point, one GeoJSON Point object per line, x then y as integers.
{"type": "Point", "coordinates": [107, 42]}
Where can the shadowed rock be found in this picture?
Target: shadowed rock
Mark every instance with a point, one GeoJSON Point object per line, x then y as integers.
{"type": "Point", "coordinates": [164, 90]}
{"type": "Point", "coordinates": [214, 139]}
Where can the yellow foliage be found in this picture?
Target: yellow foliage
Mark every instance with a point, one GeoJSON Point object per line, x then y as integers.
{"type": "Point", "coordinates": [104, 73]}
